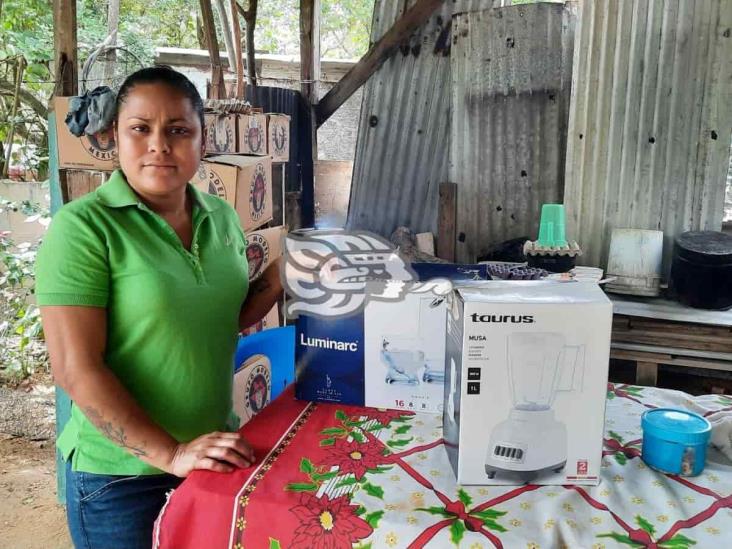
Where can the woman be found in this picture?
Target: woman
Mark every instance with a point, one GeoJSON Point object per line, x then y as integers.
{"type": "Point", "coordinates": [142, 288]}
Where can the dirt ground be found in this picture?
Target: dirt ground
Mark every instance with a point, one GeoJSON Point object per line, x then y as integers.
{"type": "Point", "coordinates": [30, 517]}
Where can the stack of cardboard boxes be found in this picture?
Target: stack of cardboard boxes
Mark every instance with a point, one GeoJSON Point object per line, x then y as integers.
{"type": "Point", "coordinates": [240, 152]}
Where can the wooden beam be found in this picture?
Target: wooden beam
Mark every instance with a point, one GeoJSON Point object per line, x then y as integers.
{"type": "Point", "coordinates": [218, 90]}
{"type": "Point", "coordinates": [64, 46]}
{"type": "Point", "coordinates": [447, 221]}
{"type": "Point", "coordinates": [310, 49]}
{"type": "Point", "coordinates": [375, 57]}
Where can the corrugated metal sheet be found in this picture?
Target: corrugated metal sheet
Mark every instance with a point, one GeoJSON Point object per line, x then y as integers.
{"type": "Point", "coordinates": [403, 138]}
{"type": "Point", "coordinates": [651, 119]}
{"type": "Point", "coordinates": [728, 196]}
{"type": "Point", "coordinates": [511, 81]}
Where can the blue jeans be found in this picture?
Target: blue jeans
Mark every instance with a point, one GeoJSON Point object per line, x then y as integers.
{"type": "Point", "coordinates": [110, 512]}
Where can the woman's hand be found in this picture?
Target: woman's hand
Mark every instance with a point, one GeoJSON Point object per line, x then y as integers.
{"type": "Point", "coordinates": [220, 452]}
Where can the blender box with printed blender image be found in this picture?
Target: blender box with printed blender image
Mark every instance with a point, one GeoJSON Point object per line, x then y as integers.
{"type": "Point", "coordinates": [526, 367]}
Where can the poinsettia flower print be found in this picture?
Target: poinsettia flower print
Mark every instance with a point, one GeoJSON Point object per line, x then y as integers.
{"type": "Point", "coordinates": [355, 457]}
{"type": "Point", "coordinates": [327, 523]}
{"type": "Point", "coordinates": [385, 417]}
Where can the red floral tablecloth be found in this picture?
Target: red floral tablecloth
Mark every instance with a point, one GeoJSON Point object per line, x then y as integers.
{"type": "Point", "coordinates": [331, 477]}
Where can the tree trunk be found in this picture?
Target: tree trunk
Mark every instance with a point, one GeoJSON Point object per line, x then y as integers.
{"type": "Point", "coordinates": [218, 90]}
{"type": "Point", "coordinates": [200, 35]}
{"type": "Point", "coordinates": [13, 114]}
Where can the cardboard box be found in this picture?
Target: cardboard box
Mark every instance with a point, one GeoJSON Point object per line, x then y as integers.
{"type": "Point", "coordinates": [98, 151]}
{"type": "Point", "coordinates": [526, 375]}
{"type": "Point", "coordinates": [263, 368]}
{"type": "Point", "coordinates": [245, 182]}
{"type": "Point", "coordinates": [221, 136]}
{"type": "Point", "coordinates": [278, 137]}
{"type": "Point", "coordinates": [252, 387]}
{"type": "Point", "coordinates": [270, 320]}
{"type": "Point", "coordinates": [264, 246]}
{"type": "Point", "coordinates": [252, 134]}
{"type": "Point", "coordinates": [389, 356]}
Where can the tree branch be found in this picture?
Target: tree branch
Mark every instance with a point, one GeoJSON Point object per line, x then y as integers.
{"type": "Point", "coordinates": [26, 97]}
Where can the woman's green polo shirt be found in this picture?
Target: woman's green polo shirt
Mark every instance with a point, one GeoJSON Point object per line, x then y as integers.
{"type": "Point", "coordinates": [172, 314]}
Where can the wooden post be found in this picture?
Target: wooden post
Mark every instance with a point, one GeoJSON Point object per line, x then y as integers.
{"type": "Point", "coordinates": [64, 47]}
{"type": "Point", "coordinates": [240, 87]}
{"type": "Point", "coordinates": [646, 373]}
{"type": "Point", "coordinates": [66, 73]}
{"type": "Point", "coordinates": [218, 90]}
{"type": "Point", "coordinates": [226, 31]}
{"type": "Point", "coordinates": [447, 221]}
{"type": "Point", "coordinates": [310, 49]}
{"type": "Point", "coordinates": [309, 76]}
{"type": "Point", "coordinates": [250, 18]}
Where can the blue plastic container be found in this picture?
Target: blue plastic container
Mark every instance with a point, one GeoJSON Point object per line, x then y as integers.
{"type": "Point", "coordinates": [675, 441]}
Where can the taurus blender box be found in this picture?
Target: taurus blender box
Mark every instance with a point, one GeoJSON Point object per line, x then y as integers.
{"type": "Point", "coordinates": [526, 368]}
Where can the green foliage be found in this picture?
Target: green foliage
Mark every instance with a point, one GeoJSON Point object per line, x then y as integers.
{"type": "Point", "coordinates": [20, 321]}
{"type": "Point", "coordinates": [26, 30]}
{"type": "Point", "coordinates": [345, 26]}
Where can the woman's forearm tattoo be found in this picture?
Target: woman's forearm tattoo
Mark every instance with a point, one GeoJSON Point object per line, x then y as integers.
{"type": "Point", "coordinates": [114, 433]}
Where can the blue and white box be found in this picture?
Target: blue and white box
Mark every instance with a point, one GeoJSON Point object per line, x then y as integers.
{"type": "Point", "coordinates": [391, 354]}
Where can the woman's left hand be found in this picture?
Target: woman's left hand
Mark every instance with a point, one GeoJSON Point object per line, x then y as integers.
{"type": "Point", "coordinates": [217, 451]}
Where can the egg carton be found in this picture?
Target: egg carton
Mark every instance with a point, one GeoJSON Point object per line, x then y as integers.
{"type": "Point", "coordinates": [532, 247]}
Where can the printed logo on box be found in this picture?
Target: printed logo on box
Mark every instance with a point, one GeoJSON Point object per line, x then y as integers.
{"type": "Point", "coordinates": [215, 185]}
{"type": "Point", "coordinates": [258, 388]}
{"type": "Point", "coordinates": [582, 467]}
{"type": "Point", "coordinates": [101, 145]}
{"type": "Point", "coordinates": [258, 193]}
{"type": "Point", "coordinates": [253, 135]}
{"type": "Point", "coordinates": [220, 135]}
{"type": "Point", "coordinates": [279, 138]}
{"type": "Point", "coordinates": [257, 254]}
{"type": "Point", "coordinates": [328, 393]}
{"type": "Point", "coordinates": [328, 271]}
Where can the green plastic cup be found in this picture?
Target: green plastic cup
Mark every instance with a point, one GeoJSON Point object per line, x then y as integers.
{"type": "Point", "coordinates": [552, 226]}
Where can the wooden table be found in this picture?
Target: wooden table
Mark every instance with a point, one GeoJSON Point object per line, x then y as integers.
{"type": "Point", "coordinates": [653, 331]}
